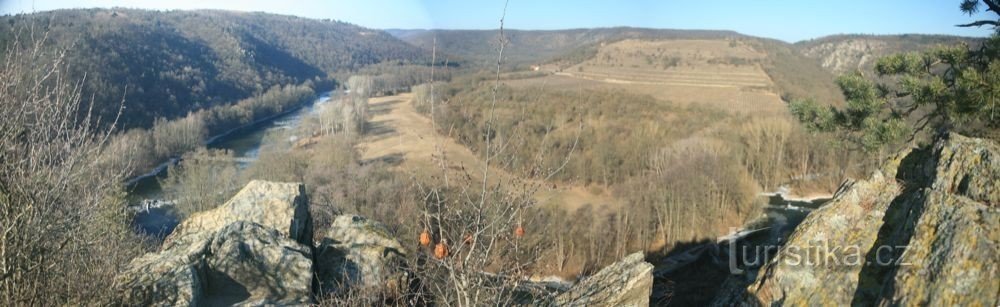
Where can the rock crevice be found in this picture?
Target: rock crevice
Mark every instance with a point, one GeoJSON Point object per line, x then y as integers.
{"type": "Point", "coordinates": [927, 227]}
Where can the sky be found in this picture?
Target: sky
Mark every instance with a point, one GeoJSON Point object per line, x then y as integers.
{"type": "Point", "coordinates": [788, 20]}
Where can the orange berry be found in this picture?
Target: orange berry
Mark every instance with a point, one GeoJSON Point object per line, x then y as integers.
{"type": "Point", "coordinates": [440, 251]}
{"type": "Point", "coordinates": [425, 238]}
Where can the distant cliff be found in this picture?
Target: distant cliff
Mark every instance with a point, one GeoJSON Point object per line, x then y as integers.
{"type": "Point", "coordinates": [842, 54]}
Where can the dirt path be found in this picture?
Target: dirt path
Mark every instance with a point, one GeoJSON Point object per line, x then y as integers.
{"type": "Point", "coordinates": [406, 139]}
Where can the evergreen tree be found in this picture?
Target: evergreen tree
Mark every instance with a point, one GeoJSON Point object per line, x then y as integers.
{"type": "Point", "coordinates": [948, 88]}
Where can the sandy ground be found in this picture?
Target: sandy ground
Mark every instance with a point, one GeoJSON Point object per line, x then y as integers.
{"type": "Point", "coordinates": [407, 139]}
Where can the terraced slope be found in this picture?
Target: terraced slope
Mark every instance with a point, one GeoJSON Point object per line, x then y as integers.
{"type": "Point", "coordinates": [720, 73]}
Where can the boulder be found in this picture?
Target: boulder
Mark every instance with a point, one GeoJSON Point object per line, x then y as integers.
{"type": "Point", "coordinates": [277, 205]}
{"type": "Point", "coordinates": [628, 282]}
{"type": "Point", "coordinates": [156, 281]}
{"type": "Point", "coordinates": [242, 263]}
{"type": "Point", "coordinates": [252, 263]}
{"type": "Point", "coordinates": [360, 253]}
{"type": "Point", "coordinates": [921, 231]}
{"type": "Point", "coordinates": [255, 249]}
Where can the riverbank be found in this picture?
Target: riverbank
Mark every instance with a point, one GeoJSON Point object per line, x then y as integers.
{"type": "Point", "coordinates": [146, 151]}
{"type": "Point", "coordinates": [244, 141]}
{"type": "Point", "coordinates": [219, 138]}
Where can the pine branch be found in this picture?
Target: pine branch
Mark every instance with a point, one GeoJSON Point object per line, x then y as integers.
{"type": "Point", "coordinates": [980, 24]}
{"type": "Point", "coordinates": [993, 6]}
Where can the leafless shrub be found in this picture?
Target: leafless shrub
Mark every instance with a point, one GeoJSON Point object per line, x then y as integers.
{"type": "Point", "coordinates": [63, 224]}
{"type": "Point", "coordinates": [204, 179]}
{"type": "Point", "coordinates": [478, 254]}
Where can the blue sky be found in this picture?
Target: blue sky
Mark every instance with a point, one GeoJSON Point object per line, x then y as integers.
{"type": "Point", "coordinates": [789, 20]}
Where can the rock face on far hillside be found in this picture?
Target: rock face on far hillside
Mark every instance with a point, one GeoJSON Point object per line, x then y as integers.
{"type": "Point", "coordinates": [924, 230]}
{"type": "Point", "coordinates": [627, 282]}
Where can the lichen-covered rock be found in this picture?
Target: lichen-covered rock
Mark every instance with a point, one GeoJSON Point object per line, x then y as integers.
{"type": "Point", "coordinates": [251, 263]}
{"type": "Point", "coordinates": [627, 282]}
{"type": "Point", "coordinates": [149, 282]}
{"type": "Point", "coordinates": [256, 249]}
{"type": "Point", "coordinates": [277, 205]}
{"type": "Point", "coordinates": [360, 253]}
{"type": "Point", "coordinates": [923, 230]}
{"type": "Point", "coordinates": [243, 262]}
{"type": "Point", "coordinates": [851, 218]}
{"type": "Point", "coordinates": [952, 259]}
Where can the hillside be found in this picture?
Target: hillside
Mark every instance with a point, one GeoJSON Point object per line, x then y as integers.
{"type": "Point", "coordinates": [845, 53]}
{"type": "Point", "coordinates": [793, 74]}
{"type": "Point", "coordinates": [165, 64]}
{"type": "Point", "coordinates": [719, 73]}
{"type": "Point", "coordinates": [527, 47]}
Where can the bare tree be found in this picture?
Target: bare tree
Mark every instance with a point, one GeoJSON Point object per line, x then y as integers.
{"type": "Point", "coordinates": [63, 226]}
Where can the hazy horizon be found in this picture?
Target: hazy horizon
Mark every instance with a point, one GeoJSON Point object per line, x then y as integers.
{"type": "Point", "coordinates": [789, 21]}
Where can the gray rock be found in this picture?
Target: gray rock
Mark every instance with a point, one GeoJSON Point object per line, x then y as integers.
{"type": "Point", "coordinates": [927, 228]}
{"type": "Point", "coordinates": [149, 282]}
{"type": "Point", "coordinates": [627, 282]}
{"type": "Point", "coordinates": [360, 253]}
{"type": "Point", "coordinates": [241, 263]}
{"type": "Point", "coordinates": [277, 205]}
{"type": "Point", "coordinates": [256, 249]}
{"type": "Point", "coordinates": [251, 263]}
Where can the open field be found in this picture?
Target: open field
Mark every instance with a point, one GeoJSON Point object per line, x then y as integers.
{"type": "Point", "coordinates": [407, 139]}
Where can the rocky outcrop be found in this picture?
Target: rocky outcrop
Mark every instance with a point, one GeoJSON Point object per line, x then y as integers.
{"type": "Point", "coordinates": [281, 206]}
{"type": "Point", "coordinates": [242, 263]}
{"type": "Point", "coordinates": [924, 230]}
{"type": "Point", "coordinates": [248, 251]}
{"type": "Point", "coordinates": [627, 282]}
{"type": "Point", "coordinates": [360, 253]}
{"type": "Point", "coordinates": [847, 55]}
{"type": "Point", "coordinates": [257, 249]}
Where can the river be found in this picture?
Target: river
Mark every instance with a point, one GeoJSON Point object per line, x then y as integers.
{"type": "Point", "coordinates": [157, 219]}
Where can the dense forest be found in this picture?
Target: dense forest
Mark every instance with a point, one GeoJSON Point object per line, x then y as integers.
{"type": "Point", "coordinates": [166, 64]}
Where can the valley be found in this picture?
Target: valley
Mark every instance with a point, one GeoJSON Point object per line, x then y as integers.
{"type": "Point", "coordinates": [216, 157]}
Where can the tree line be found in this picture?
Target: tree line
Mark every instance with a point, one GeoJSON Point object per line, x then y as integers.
{"type": "Point", "coordinates": [682, 172]}
{"type": "Point", "coordinates": [142, 149]}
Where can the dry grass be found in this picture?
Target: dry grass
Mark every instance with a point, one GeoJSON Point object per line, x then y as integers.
{"type": "Point", "coordinates": [401, 135]}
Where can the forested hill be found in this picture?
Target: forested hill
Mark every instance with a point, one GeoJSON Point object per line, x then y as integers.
{"type": "Point", "coordinates": [167, 63]}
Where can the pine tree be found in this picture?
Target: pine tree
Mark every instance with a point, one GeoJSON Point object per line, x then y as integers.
{"type": "Point", "coordinates": [947, 88]}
